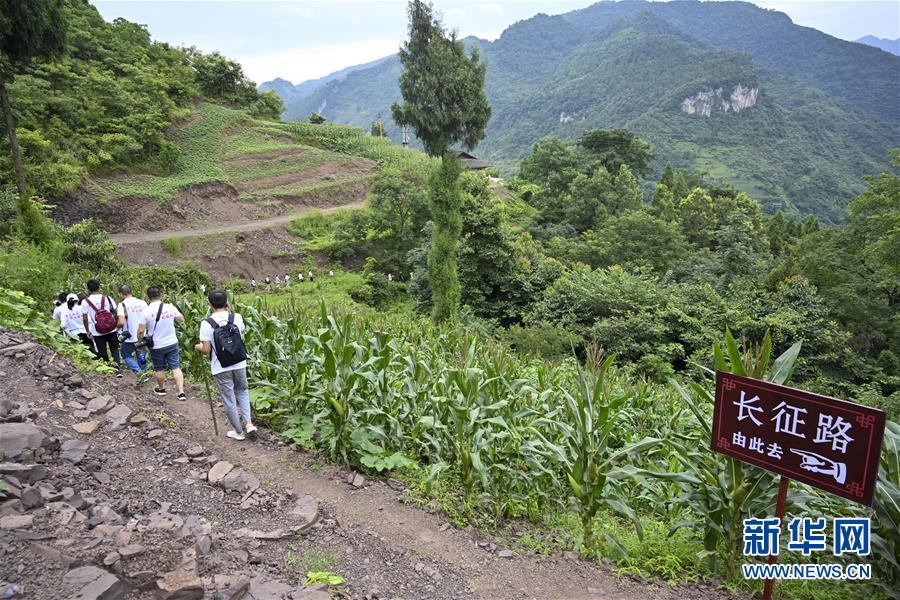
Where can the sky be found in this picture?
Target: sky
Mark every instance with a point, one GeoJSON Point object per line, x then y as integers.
{"type": "Point", "coordinates": [298, 40]}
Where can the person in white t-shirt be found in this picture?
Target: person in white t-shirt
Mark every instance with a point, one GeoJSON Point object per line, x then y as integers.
{"type": "Point", "coordinates": [59, 305]}
{"type": "Point", "coordinates": [231, 380]}
{"type": "Point", "coordinates": [106, 345]}
{"type": "Point", "coordinates": [131, 315]}
{"type": "Point", "coordinates": [159, 325]}
{"type": "Point", "coordinates": [71, 320]}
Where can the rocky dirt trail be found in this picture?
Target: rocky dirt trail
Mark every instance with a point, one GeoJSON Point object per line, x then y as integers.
{"type": "Point", "coordinates": [115, 493]}
{"type": "Point", "coordinates": [158, 236]}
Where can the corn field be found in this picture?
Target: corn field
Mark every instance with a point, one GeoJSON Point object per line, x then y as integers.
{"type": "Point", "coordinates": [520, 437]}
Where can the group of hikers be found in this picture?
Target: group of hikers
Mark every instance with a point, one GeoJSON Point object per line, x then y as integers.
{"type": "Point", "coordinates": [131, 329]}
{"type": "Point", "coordinates": [267, 282]}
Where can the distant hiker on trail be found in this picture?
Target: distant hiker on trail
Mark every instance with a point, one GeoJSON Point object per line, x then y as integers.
{"type": "Point", "coordinates": [72, 321]}
{"type": "Point", "coordinates": [203, 288]}
{"type": "Point", "coordinates": [330, 273]}
{"type": "Point", "coordinates": [278, 281]}
{"type": "Point", "coordinates": [300, 276]}
{"type": "Point", "coordinates": [222, 337]}
{"type": "Point", "coordinates": [390, 277]}
{"type": "Point", "coordinates": [309, 274]}
{"type": "Point", "coordinates": [268, 281]}
{"type": "Point", "coordinates": [157, 332]}
{"type": "Point", "coordinates": [131, 315]}
{"type": "Point", "coordinates": [100, 324]}
{"type": "Point", "coordinates": [253, 285]}
{"type": "Point", "coordinates": [59, 305]}
{"type": "Point", "coordinates": [287, 280]}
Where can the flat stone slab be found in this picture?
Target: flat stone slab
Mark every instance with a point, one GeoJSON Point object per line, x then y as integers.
{"type": "Point", "coordinates": [86, 427]}
{"type": "Point", "coordinates": [16, 438]}
{"type": "Point", "coordinates": [306, 511]}
{"type": "Point", "coordinates": [16, 521]}
{"type": "Point", "coordinates": [179, 585]}
{"type": "Point", "coordinates": [74, 450]}
{"type": "Point", "coordinates": [94, 583]}
{"type": "Point", "coordinates": [218, 471]}
{"type": "Point", "coordinates": [98, 404]}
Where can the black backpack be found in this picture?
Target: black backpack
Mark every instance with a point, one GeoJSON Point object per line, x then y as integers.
{"type": "Point", "coordinates": [227, 341]}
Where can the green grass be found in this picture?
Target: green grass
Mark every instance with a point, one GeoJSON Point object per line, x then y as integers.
{"type": "Point", "coordinates": [213, 134]}
{"type": "Point", "coordinates": [200, 141]}
{"type": "Point", "coordinates": [258, 136]}
{"type": "Point", "coordinates": [172, 246]}
{"type": "Point", "coordinates": [249, 171]}
{"type": "Point", "coordinates": [309, 189]}
{"type": "Point", "coordinates": [333, 290]}
{"type": "Point", "coordinates": [304, 558]}
{"type": "Point", "coordinates": [353, 141]}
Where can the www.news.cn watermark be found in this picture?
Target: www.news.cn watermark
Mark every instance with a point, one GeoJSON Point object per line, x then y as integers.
{"type": "Point", "coordinates": [807, 535]}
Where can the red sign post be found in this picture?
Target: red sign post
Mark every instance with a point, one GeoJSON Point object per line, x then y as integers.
{"type": "Point", "coordinates": [824, 442]}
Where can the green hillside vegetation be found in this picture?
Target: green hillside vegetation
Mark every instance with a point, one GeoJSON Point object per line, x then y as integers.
{"type": "Point", "coordinates": [589, 318]}
{"type": "Point", "coordinates": [220, 144]}
{"type": "Point", "coordinates": [107, 103]}
{"type": "Point", "coordinates": [821, 120]}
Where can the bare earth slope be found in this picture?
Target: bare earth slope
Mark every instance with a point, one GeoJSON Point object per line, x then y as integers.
{"type": "Point", "coordinates": [118, 494]}
{"type": "Point", "coordinates": [233, 173]}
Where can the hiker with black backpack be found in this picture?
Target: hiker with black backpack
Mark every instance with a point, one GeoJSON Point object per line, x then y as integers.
{"type": "Point", "coordinates": [101, 324]}
{"type": "Point", "coordinates": [222, 337]}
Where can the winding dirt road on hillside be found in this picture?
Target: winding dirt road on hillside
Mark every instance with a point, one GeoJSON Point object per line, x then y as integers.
{"type": "Point", "coordinates": [158, 236]}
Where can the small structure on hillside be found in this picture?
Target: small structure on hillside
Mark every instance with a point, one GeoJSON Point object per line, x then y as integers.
{"type": "Point", "coordinates": [472, 162]}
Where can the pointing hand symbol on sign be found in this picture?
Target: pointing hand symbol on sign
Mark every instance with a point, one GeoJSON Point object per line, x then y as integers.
{"type": "Point", "coordinates": [816, 463]}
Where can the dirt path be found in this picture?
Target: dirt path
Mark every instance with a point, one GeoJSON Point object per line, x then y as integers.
{"type": "Point", "coordinates": [131, 498]}
{"type": "Point", "coordinates": [158, 236]}
{"type": "Point", "coordinates": [407, 529]}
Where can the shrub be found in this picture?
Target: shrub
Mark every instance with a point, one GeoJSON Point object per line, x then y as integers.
{"type": "Point", "coordinates": [38, 271]}
{"type": "Point", "coordinates": [544, 340]}
{"type": "Point", "coordinates": [172, 246]}
{"type": "Point", "coordinates": [89, 247]}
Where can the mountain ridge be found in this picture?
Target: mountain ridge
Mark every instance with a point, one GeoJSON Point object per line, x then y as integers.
{"type": "Point", "coordinates": [813, 110]}
{"type": "Point", "coordinates": [886, 44]}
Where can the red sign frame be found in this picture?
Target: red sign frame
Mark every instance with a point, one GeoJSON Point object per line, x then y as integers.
{"type": "Point", "coordinates": [848, 468]}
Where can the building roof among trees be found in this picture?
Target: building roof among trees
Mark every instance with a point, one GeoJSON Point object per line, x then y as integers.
{"type": "Point", "coordinates": [472, 162]}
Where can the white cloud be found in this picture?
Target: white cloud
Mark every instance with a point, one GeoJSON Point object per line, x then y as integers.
{"type": "Point", "coordinates": [311, 62]}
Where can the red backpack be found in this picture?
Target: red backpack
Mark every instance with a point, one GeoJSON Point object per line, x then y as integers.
{"type": "Point", "coordinates": [104, 321]}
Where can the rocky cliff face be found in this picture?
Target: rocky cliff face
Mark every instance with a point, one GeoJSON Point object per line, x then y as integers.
{"type": "Point", "coordinates": [704, 102]}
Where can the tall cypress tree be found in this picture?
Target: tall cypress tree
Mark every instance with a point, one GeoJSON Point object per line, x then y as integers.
{"type": "Point", "coordinates": [29, 29]}
{"type": "Point", "coordinates": [445, 104]}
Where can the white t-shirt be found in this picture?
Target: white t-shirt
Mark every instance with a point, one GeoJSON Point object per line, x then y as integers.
{"type": "Point", "coordinates": [133, 310]}
{"type": "Point", "coordinates": [163, 333]}
{"type": "Point", "coordinates": [71, 320]}
{"type": "Point", "coordinates": [206, 335]}
{"type": "Point", "coordinates": [58, 311]}
{"type": "Point", "coordinates": [97, 300]}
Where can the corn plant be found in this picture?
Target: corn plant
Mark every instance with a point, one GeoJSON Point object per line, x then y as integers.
{"type": "Point", "coordinates": [718, 491]}
{"type": "Point", "coordinates": [886, 525]}
{"type": "Point", "coordinates": [593, 412]}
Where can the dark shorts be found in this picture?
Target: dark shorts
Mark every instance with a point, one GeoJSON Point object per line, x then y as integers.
{"type": "Point", "coordinates": [166, 358]}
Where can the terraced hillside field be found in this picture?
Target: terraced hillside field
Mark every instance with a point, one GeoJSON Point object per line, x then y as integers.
{"type": "Point", "coordinates": [235, 170]}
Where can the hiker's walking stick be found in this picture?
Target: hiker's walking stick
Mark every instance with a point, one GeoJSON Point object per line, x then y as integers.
{"type": "Point", "coordinates": [212, 408]}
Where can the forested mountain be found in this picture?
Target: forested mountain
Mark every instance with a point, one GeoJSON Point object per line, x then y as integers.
{"type": "Point", "coordinates": [786, 113]}
{"type": "Point", "coordinates": [291, 93]}
{"type": "Point", "coordinates": [892, 46]}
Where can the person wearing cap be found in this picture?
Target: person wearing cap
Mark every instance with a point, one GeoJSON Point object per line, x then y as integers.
{"type": "Point", "coordinates": [71, 321]}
